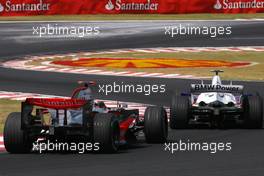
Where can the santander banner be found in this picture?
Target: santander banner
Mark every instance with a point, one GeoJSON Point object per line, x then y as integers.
{"type": "Point", "coordinates": [70, 7]}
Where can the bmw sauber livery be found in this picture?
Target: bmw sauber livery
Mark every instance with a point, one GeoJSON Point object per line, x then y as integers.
{"type": "Point", "coordinates": [217, 105]}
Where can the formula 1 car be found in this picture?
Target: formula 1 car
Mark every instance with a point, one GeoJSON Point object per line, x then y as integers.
{"type": "Point", "coordinates": [81, 119]}
{"type": "Point", "coordinates": [217, 105]}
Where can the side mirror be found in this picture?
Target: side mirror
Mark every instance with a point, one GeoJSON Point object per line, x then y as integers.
{"type": "Point", "coordinates": [87, 84]}
{"type": "Point", "coordinates": [93, 83]}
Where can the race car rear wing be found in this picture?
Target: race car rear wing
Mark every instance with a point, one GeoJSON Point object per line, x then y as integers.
{"type": "Point", "coordinates": [56, 103]}
{"type": "Point", "coordinates": [199, 88]}
{"type": "Point", "coordinates": [53, 103]}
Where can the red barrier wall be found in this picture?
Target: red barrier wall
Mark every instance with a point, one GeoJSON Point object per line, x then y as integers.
{"type": "Point", "coordinates": [53, 7]}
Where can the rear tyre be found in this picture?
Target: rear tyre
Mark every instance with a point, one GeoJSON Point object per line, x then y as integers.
{"type": "Point", "coordinates": [253, 114]}
{"type": "Point", "coordinates": [106, 132]}
{"type": "Point", "coordinates": [179, 112]}
{"type": "Point", "coordinates": [155, 125]}
{"type": "Point", "coordinates": [16, 140]}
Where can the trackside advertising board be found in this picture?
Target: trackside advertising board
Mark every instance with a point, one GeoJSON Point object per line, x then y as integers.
{"type": "Point", "coordinates": [61, 7]}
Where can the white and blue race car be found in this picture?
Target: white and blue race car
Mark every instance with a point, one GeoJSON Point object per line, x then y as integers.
{"type": "Point", "coordinates": [216, 104]}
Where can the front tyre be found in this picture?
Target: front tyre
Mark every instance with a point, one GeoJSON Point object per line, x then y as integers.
{"type": "Point", "coordinates": [106, 132]}
{"type": "Point", "coordinates": [16, 140]}
{"type": "Point", "coordinates": [253, 114]}
{"type": "Point", "coordinates": [155, 125]}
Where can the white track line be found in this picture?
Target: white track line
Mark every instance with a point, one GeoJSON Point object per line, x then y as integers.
{"type": "Point", "coordinates": [2, 147]}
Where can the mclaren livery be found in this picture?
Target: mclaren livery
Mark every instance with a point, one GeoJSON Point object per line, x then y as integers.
{"type": "Point", "coordinates": [80, 119]}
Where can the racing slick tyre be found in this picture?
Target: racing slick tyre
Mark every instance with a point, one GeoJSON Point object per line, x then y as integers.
{"type": "Point", "coordinates": [106, 132]}
{"type": "Point", "coordinates": [253, 114]}
{"type": "Point", "coordinates": [16, 140]}
{"type": "Point", "coordinates": [155, 125]}
{"type": "Point", "coordinates": [179, 112]}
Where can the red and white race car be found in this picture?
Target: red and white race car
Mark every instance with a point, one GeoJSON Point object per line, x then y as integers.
{"type": "Point", "coordinates": [79, 118]}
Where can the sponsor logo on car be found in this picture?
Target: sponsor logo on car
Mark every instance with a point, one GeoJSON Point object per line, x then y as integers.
{"type": "Point", "coordinates": [119, 5]}
{"type": "Point", "coordinates": [209, 87]}
{"type": "Point", "coordinates": [25, 7]}
{"type": "Point", "coordinates": [238, 4]}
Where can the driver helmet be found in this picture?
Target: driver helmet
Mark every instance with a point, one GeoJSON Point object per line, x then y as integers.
{"type": "Point", "coordinates": [86, 94]}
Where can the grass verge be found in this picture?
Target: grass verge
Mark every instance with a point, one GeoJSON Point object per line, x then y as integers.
{"type": "Point", "coordinates": [255, 72]}
{"type": "Point", "coordinates": [6, 107]}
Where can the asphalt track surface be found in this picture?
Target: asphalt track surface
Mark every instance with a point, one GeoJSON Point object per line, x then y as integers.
{"type": "Point", "coordinates": [245, 158]}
